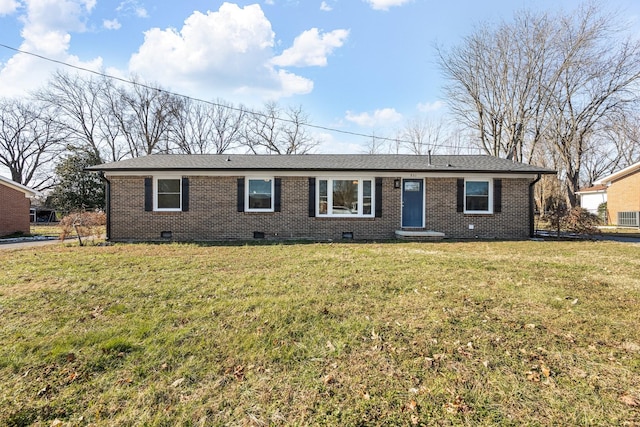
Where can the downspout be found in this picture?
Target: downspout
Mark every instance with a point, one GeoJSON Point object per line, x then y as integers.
{"type": "Point", "coordinates": [531, 207]}
{"type": "Point", "coordinates": [107, 203]}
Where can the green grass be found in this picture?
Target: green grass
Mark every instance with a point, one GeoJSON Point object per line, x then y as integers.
{"type": "Point", "coordinates": [476, 333]}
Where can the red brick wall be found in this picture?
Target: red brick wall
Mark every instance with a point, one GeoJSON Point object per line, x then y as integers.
{"type": "Point", "coordinates": [14, 211]}
{"type": "Point", "coordinates": [623, 195]}
{"type": "Point", "coordinates": [213, 213]}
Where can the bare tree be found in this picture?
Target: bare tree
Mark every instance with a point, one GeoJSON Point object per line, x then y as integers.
{"type": "Point", "coordinates": [30, 140]}
{"type": "Point", "coordinates": [272, 131]}
{"type": "Point", "coordinates": [82, 104]}
{"type": "Point", "coordinates": [615, 147]}
{"type": "Point", "coordinates": [494, 84]}
{"type": "Point", "coordinates": [422, 135]}
{"type": "Point", "coordinates": [376, 145]}
{"type": "Point", "coordinates": [597, 82]}
{"type": "Point", "coordinates": [544, 80]}
{"type": "Point", "coordinates": [208, 128]}
{"type": "Point", "coordinates": [296, 137]}
{"type": "Point", "coordinates": [145, 115]}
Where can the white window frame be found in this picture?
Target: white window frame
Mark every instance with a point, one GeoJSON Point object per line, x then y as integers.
{"type": "Point", "coordinates": [247, 180]}
{"type": "Point", "coordinates": [489, 181]}
{"type": "Point", "coordinates": [156, 187]}
{"type": "Point", "coordinates": [360, 213]}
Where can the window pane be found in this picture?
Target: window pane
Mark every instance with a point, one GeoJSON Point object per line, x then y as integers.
{"type": "Point", "coordinates": [477, 188]}
{"type": "Point", "coordinates": [259, 194]}
{"type": "Point", "coordinates": [168, 194]}
{"type": "Point", "coordinates": [477, 195]}
{"type": "Point", "coordinates": [411, 186]}
{"type": "Point", "coordinates": [169, 186]}
{"type": "Point", "coordinates": [345, 197]}
{"type": "Point", "coordinates": [366, 197]}
{"type": "Point", "coordinates": [168, 201]}
{"type": "Point", "coordinates": [477, 203]}
{"type": "Point", "coordinates": [324, 200]}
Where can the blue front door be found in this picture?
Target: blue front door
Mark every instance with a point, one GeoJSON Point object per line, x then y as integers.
{"type": "Point", "coordinates": [412, 203]}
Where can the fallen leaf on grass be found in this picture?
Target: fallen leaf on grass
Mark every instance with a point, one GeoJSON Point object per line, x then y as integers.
{"type": "Point", "coordinates": [533, 376]}
{"type": "Point", "coordinates": [238, 372]}
{"type": "Point", "coordinates": [177, 382]}
{"type": "Point", "coordinates": [44, 390]}
{"type": "Point", "coordinates": [630, 346]}
{"type": "Point", "coordinates": [629, 400]}
{"type": "Point", "coordinates": [330, 346]}
{"type": "Point", "coordinates": [412, 405]}
{"type": "Point", "coordinates": [456, 406]}
{"type": "Point", "coordinates": [329, 379]}
{"type": "Point", "coordinates": [545, 370]}
{"type": "Point", "coordinates": [415, 420]}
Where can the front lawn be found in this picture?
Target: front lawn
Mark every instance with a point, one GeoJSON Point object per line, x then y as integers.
{"type": "Point", "coordinates": [470, 333]}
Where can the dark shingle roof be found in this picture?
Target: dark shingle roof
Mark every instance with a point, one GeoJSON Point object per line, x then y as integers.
{"type": "Point", "coordinates": [319, 162]}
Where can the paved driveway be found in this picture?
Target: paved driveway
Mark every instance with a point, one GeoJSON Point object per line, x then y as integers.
{"type": "Point", "coordinates": [21, 244]}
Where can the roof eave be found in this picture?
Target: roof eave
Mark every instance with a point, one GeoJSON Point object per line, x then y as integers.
{"type": "Point", "coordinates": [273, 169]}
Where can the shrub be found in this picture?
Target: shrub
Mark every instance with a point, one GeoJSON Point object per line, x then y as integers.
{"type": "Point", "coordinates": [602, 212]}
{"type": "Point", "coordinates": [579, 220]}
{"type": "Point", "coordinates": [84, 223]}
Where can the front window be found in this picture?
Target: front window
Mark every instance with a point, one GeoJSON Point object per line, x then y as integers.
{"type": "Point", "coordinates": [168, 194]}
{"type": "Point", "coordinates": [259, 195]}
{"type": "Point", "coordinates": [345, 197]}
{"type": "Point", "coordinates": [477, 196]}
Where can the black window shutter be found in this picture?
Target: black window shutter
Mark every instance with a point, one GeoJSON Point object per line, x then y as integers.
{"type": "Point", "coordinates": [378, 197]}
{"type": "Point", "coordinates": [277, 190]}
{"type": "Point", "coordinates": [460, 195]}
{"type": "Point", "coordinates": [185, 194]}
{"type": "Point", "coordinates": [148, 194]}
{"type": "Point", "coordinates": [497, 195]}
{"type": "Point", "coordinates": [312, 197]}
{"type": "Point", "coordinates": [240, 194]}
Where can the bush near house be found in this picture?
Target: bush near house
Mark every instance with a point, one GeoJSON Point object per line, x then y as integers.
{"type": "Point", "coordinates": [82, 223]}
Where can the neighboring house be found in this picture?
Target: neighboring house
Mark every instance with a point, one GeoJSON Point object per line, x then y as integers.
{"type": "Point", "coordinates": [324, 197]}
{"type": "Point", "coordinates": [14, 207]}
{"type": "Point", "coordinates": [591, 198]}
{"type": "Point", "coordinates": [623, 196]}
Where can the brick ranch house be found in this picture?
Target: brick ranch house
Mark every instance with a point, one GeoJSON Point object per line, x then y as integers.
{"type": "Point", "coordinates": [14, 207]}
{"type": "Point", "coordinates": [623, 196]}
{"type": "Point", "coordinates": [323, 197]}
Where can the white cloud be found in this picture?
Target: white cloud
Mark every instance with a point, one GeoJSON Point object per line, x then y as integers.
{"type": "Point", "coordinates": [111, 24]}
{"type": "Point", "coordinates": [330, 145]}
{"type": "Point", "coordinates": [132, 7]}
{"type": "Point", "coordinates": [311, 48]}
{"type": "Point", "coordinates": [429, 107]}
{"type": "Point", "coordinates": [325, 7]}
{"type": "Point", "coordinates": [56, 15]}
{"type": "Point", "coordinates": [47, 29]}
{"type": "Point", "coordinates": [385, 4]}
{"type": "Point", "coordinates": [141, 12]}
{"type": "Point", "coordinates": [382, 117]}
{"type": "Point", "coordinates": [7, 7]}
{"type": "Point", "coordinates": [223, 53]}
{"type": "Point", "coordinates": [269, 2]}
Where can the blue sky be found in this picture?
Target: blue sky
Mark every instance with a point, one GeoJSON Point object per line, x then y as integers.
{"type": "Point", "coordinates": [363, 66]}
